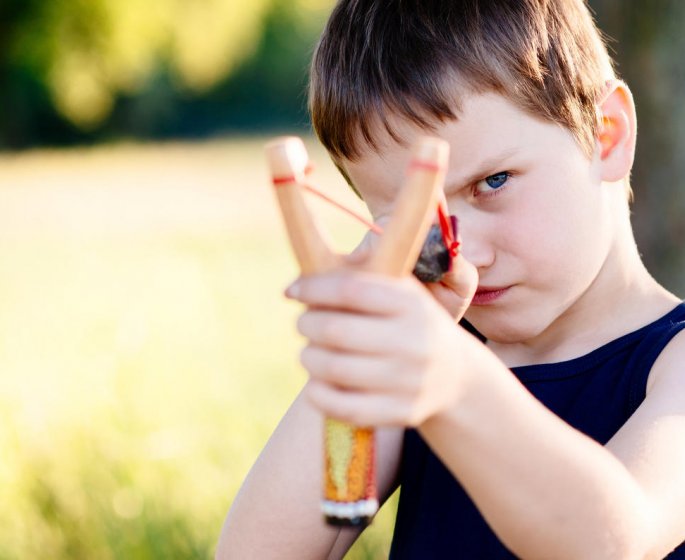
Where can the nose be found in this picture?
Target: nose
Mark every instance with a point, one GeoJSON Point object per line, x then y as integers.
{"type": "Point", "coordinates": [476, 243]}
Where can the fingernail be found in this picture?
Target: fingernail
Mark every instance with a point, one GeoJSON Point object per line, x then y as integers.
{"type": "Point", "coordinates": [293, 291]}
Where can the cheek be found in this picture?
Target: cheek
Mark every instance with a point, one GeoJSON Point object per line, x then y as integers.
{"type": "Point", "coordinates": [551, 239]}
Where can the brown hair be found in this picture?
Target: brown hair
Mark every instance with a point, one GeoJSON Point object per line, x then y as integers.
{"type": "Point", "coordinates": [414, 57]}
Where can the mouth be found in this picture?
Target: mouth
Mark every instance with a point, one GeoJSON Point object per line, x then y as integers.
{"type": "Point", "coordinates": [486, 295]}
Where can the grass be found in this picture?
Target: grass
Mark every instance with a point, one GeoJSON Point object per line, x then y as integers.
{"type": "Point", "coordinates": [146, 351]}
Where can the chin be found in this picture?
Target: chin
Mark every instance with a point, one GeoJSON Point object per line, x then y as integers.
{"type": "Point", "coordinates": [506, 328]}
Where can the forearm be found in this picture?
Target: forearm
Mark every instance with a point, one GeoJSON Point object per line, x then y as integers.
{"type": "Point", "coordinates": [276, 513]}
{"type": "Point", "coordinates": [547, 490]}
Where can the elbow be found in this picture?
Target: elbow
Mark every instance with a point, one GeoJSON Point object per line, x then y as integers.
{"type": "Point", "coordinates": [624, 549]}
{"type": "Point", "coordinates": [603, 549]}
{"type": "Point", "coordinates": [630, 550]}
{"type": "Point", "coordinates": [638, 538]}
{"type": "Point", "coordinates": [629, 541]}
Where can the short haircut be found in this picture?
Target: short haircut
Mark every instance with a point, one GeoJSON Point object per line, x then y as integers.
{"type": "Point", "coordinates": [414, 58]}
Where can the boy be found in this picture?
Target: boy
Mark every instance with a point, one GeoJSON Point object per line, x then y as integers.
{"type": "Point", "coordinates": [559, 430]}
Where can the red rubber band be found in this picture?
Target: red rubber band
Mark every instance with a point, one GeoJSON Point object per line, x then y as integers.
{"type": "Point", "coordinates": [373, 227]}
{"type": "Point", "coordinates": [447, 232]}
{"type": "Point", "coordinates": [289, 179]}
{"type": "Point", "coordinates": [443, 218]}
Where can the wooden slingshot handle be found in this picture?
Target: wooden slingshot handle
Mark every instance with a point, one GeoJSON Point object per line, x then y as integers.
{"type": "Point", "coordinates": [350, 495]}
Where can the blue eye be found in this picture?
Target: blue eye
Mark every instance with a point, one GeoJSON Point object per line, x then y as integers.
{"type": "Point", "coordinates": [492, 183]}
{"type": "Point", "coordinates": [496, 181]}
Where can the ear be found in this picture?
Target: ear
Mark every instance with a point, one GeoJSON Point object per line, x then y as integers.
{"type": "Point", "coordinates": [617, 131]}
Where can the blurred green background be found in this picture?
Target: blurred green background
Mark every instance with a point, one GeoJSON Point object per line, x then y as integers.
{"type": "Point", "coordinates": [146, 352]}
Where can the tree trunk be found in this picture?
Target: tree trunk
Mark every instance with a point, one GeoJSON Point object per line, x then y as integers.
{"type": "Point", "coordinates": [647, 40]}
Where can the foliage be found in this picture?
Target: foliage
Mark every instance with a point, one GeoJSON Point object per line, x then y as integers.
{"type": "Point", "coordinates": [85, 69]}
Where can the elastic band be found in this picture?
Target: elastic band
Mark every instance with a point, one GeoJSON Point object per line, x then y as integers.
{"type": "Point", "coordinates": [289, 179]}
{"type": "Point", "coordinates": [373, 227]}
{"type": "Point", "coordinates": [446, 229]}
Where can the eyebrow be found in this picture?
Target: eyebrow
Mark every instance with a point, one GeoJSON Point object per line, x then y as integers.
{"type": "Point", "coordinates": [483, 169]}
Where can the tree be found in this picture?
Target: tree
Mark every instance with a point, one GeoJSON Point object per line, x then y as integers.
{"type": "Point", "coordinates": [648, 42]}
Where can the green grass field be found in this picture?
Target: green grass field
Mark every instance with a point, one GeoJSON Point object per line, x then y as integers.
{"type": "Point", "coordinates": [146, 351]}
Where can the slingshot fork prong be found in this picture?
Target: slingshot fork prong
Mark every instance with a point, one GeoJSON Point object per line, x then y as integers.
{"type": "Point", "coordinates": [288, 160]}
{"type": "Point", "coordinates": [414, 211]}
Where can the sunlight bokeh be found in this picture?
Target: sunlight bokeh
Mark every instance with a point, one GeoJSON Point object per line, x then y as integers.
{"type": "Point", "coordinates": [146, 349]}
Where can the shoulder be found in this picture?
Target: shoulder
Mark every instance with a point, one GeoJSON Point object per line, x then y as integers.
{"type": "Point", "coordinates": [651, 444]}
{"type": "Point", "coordinates": [668, 371]}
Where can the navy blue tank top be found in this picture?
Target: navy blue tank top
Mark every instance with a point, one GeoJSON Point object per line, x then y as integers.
{"type": "Point", "coordinates": [595, 394]}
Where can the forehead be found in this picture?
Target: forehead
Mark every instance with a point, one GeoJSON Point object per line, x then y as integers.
{"type": "Point", "coordinates": [488, 130]}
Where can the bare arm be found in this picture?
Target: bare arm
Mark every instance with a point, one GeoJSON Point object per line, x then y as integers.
{"type": "Point", "coordinates": [276, 512]}
{"type": "Point", "coordinates": [549, 491]}
{"type": "Point", "coordinates": [546, 489]}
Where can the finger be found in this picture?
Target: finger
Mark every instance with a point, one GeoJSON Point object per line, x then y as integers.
{"type": "Point", "coordinates": [356, 373]}
{"type": "Point", "coordinates": [462, 279]}
{"type": "Point", "coordinates": [350, 333]}
{"type": "Point", "coordinates": [455, 305]}
{"type": "Point", "coordinates": [357, 291]}
{"type": "Point", "coordinates": [359, 409]}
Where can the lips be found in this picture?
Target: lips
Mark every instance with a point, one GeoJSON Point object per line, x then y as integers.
{"type": "Point", "coordinates": [487, 294]}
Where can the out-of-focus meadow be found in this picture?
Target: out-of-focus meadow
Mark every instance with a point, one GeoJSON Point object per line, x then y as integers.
{"type": "Point", "coordinates": [146, 351]}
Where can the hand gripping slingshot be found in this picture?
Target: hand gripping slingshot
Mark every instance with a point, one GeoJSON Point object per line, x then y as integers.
{"type": "Point", "coordinates": [350, 495]}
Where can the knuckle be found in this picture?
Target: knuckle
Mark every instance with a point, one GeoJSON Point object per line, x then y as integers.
{"type": "Point", "coordinates": [307, 357]}
{"type": "Point", "coordinates": [348, 290]}
{"type": "Point", "coordinates": [411, 384]}
{"type": "Point", "coordinates": [322, 364]}
{"type": "Point", "coordinates": [334, 368]}
{"type": "Point", "coordinates": [345, 412]}
{"type": "Point", "coordinates": [302, 324]}
{"type": "Point", "coordinates": [316, 395]}
{"type": "Point", "coordinates": [416, 351]}
{"type": "Point", "coordinates": [310, 391]}
{"type": "Point", "coordinates": [331, 331]}
{"type": "Point", "coordinates": [400, 376]}
{"type": "Point", "coordinates": [337, 408]}
{"type": "Point", "coordinates": [413, 416]}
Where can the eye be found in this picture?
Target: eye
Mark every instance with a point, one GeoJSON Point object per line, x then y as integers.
{"type": "Point", "coordinates": [492, 183]}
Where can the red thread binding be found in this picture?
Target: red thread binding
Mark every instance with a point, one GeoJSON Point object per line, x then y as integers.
{"type": "Point", "coordinates": [425, 165]}
{"type": "Point", "coordinates": [286, 179]}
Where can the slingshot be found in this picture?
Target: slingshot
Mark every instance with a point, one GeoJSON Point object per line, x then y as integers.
{"type": "Point", "coordinates": [350, 494]}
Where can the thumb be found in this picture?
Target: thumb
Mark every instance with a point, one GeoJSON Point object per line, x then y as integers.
{"type": "Point", "coordinates": [462, 279]}
{"type": "Point", "coordinates": [456, 288]}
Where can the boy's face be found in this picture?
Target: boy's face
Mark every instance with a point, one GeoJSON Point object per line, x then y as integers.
{"type": "Point", "coordinates": [534, 218]}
